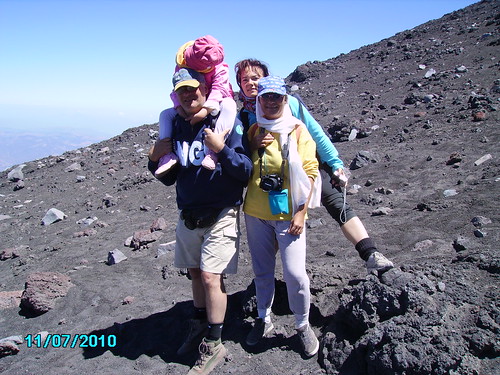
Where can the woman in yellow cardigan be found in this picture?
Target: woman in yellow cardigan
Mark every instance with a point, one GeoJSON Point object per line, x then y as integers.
{"type": "Point", "coordinates": [285, 181]}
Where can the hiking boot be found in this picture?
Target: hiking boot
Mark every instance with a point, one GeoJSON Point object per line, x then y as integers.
{"type": "Point", "coordinates": [377, 262]}
{"type": "Point", "coordinates": [197, 330]}
{"type": "Point", "coordinates": [211, 353]}
{"type": "Point", "coordinates": [258, 331]}
{"type": "Point", "coordinates": [209, 161]}
{"type": "Point", "coordinates": [165, 163]}
{"type": "Point", "coordinates": [310, 343]}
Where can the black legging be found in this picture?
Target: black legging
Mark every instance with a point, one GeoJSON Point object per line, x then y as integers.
{"type": "Point", "coordinates": [333, 199]}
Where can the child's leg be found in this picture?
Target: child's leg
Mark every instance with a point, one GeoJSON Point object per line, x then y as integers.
{"type": "Point", "coordinates": [166, 120]}
{"type": "Point", "coordinates": [165, 131]}
{"type": "Point", "coordinates": [227, 115]}
{"type": "Point", "coordinates": [225, 121]}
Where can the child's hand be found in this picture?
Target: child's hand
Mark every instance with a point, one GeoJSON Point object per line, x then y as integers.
{"type": "Point", "coordinates": [197, 117]}
{"type": "Point", "coordinates": [215, 141]}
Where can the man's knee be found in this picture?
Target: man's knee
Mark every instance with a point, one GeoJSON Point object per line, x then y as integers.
{"type": "Point", "coordinates": [211, 280]}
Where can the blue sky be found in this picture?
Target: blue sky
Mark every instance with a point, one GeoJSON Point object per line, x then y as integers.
{"type": "Point", "coordinates": [98, 67]}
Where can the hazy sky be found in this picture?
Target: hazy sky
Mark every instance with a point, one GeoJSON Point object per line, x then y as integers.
{"type": "Point", "coordinates": [101, 66]}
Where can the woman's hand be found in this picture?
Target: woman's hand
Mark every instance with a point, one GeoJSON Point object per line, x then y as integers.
{"type": "Point", "coordinates": [160, 148]}
{"type": "Point", "coordinates": [339, 178]}
{"type": "Point", "coordinates": [298, 221]}
{"type": "Point", "coordinates": [261, 140]}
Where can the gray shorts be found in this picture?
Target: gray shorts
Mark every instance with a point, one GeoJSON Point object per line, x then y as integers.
{"type": "Point", "coordinates": [213, 249]}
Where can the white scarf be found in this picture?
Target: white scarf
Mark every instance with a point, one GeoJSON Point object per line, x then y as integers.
{"type": "Point", "coordinates": [300, 185]}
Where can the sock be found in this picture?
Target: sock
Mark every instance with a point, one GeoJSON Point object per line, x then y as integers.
{"type": "Point", "coordinates": [365, 248]}
{"type": "Point", "coordinates": [200, 313]}
{"type": "Point", "coordinates": [214, 331]}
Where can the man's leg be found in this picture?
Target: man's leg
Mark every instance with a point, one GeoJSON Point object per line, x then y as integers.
{"type": "Point", "coordinates": [198, 288]}
{"type": "Point", "coordinates": [198, 327]}
{"type": "Point", "coordinates": [215, 302]}
{"type": "Point", "coordinates": [187, 256]}
{"type": "Point", "coordinates": [219, 255]}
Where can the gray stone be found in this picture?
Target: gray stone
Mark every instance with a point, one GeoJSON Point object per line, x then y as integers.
{"type": "Point", "coordinates": [16, 174]}
{"type": "Point", "coordinates": [115, 257]}
{"type": "Point", "coordinates": [8, 348]}
{"type": "Point", "coordinates": [74, 167]}
{"type": "Point", "coordinates": [53, 216]}
{"type": "Point", "coordinates": [10, 299]}
{"type": "Point", "coordinates": [450, 193]}
{"type": "Point", "coordinates": [381, 211]}
{"type": "Point", "coordinates": [362, 159]}
{"type": "Point", "coordinates": [479, 233]}
{"type": "Point", "coordinates": [482, 159]}
{"type": "Point", "coordinates": [159, 224]}
{"type": "Point", "coordinates": [143, 237]}
{"type": "Point", "coordinates": [353, 135]}
{"type": "Point", "coordinates": [430, 73]}
{"type": "Point", "coordinates": [480, 221]}
{"type": "Point", "coordinates": [19, 185]}
{"type": "Point", "coordinates": [14, 339]}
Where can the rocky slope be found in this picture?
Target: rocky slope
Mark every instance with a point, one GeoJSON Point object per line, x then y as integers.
{"type": "Point", "coordinates": [414, 116]}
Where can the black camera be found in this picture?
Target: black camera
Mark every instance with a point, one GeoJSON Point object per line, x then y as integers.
{"type": "Point", "coordinates": [271, 182]}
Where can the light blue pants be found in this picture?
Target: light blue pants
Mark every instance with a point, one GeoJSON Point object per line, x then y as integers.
{"type": "Point", "coordinates": [261, 241]}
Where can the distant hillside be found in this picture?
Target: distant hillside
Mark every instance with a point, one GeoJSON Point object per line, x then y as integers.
{"type": "Point", "coordinates": [23, 146]}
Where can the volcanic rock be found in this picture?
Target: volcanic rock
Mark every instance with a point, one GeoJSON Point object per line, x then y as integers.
{"type": "Point", "coordinates": [43, 289]}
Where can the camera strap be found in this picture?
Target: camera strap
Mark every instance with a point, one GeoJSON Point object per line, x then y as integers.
{"type": "Point", "coordinates": [285, 149]}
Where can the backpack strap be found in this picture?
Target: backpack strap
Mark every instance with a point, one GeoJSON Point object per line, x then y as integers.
{"type": "Point", "coordinates": [298, 130]}
{"type": "Point", "coordinates": [244, 119]}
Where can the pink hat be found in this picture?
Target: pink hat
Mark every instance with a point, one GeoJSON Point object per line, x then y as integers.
{"type": "Point", "coordinates": [204, 54]}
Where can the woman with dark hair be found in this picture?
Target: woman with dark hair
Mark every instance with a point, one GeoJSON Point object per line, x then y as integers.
{"type": "Point", "coordinates": [248, 73]}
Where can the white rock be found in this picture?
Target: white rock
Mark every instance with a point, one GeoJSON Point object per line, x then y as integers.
{"type": "Point", "coordinates": [482, 159]}
{"type": "Point", "coordinates": [52, 216]}
{"type": "Point", "coordinates": [450, 192]}
{"type": "Point", "coordinates": [430, 73]}
{"type": "Point", "coordinates": [115, 257]}
{"type": "Point", "coordinates": [16, 174]}
{"type": "Point", "coordinates": [353, 135]}
{"type": "Point", "coordinates": [14, 339]}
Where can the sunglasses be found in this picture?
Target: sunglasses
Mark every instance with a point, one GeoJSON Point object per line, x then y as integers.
{"type": "Point", "coordinates": [184, 89]}
{"type": "Point", "coordinates": [272, 96]}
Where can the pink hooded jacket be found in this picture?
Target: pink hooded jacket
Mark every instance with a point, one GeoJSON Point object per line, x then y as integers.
{"type": "Point", "coordinates": [206, 55]}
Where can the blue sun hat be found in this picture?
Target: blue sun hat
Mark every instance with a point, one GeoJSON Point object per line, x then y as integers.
{"type": "Point", "coordinates": [272, 84]}
{"type": "Point", "coordinates": [187, 77]}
